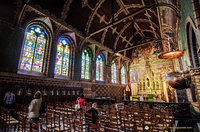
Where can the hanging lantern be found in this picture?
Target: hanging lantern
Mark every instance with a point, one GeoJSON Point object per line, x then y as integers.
{"type": "Point", "coordinates": [169, 48]}
{"type": "Point", "coordinates": [171, 55]}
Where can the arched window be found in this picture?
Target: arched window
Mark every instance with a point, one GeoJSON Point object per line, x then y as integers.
{"type": "Point", "coordinates": [192, 45]}
{"type": "Point", "coordinates": [114, 72]}
{"type": "Point", "coordinates": [99, 68]}
{"type": "Point", "coordinates": [123, 75]}
{"type": "Point", "coordinates": [35, 42]}
{"type": "Point", "coordinates": [63, 57]}
{"type": "Point", "coordinates": [85, 65]}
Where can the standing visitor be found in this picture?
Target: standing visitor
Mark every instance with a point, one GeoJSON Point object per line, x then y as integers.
{"type": "Point", "coordinates": [9, 99]}
{"type": "Point", "coordinates": [34, 107]}
{"type": "Point", "coordinates": [94, 112]}
{"type": "Point", "coordinates": [81, 101]}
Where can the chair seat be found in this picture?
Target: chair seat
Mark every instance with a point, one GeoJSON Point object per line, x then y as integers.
{"type": "Point", "coordinates": [57, 129]}
{"type": "Point", "coordinates": [13, 122]}
{"type": "Point", "coordinates": [49, 126]}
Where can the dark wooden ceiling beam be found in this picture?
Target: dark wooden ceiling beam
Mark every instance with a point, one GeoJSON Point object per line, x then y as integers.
{"type": "Point", "coordinates": [113, 11]}
{"type": "Point", "coordinates": [133, 14]}
{"type": "Point", "coordinates": [151, 41]}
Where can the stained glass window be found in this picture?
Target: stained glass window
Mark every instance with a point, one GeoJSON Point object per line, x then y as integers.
{"type": "Point", "coordinates": [62, 57]}
{"type": "Point", "coordinates": [114, 72]}
{"type": "Point", "coordinates": [123, 75]}
{"type": "Point", "coordinates": [99, 68]}
{"type": "Point", "coordinates": [85, 66]}
{"type": "Point", "coordinates": [34, 49]}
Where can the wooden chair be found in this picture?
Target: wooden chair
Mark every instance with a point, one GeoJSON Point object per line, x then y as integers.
{"type": "Point", "coordinates": [114, 123]}
{"type": "Point", "coordinates": [1, 116]}
{"type": "Point", "coordinates": [93, 127]}
{"type": "Point", "coordinates": [70, 114]}
{"type": "Point", "coordinates": [123, 118]}
{"type": "Point", "coordinates": [9, 121]}
{"type": "Point", "coordinates": [158, 124]}
{"type": "Point", "coordinates": [57, 125]}
{"type": "Point", "coordinates": [139, 124]}
{"type": "Point", "coordinates": [129, 126]}
{"type": "Point", "coordinates": [114, 114]}
{"type": "Point", "coordinates": [34, 127]}
{"type": "Point", "coordinates": [102, 121]}
{"type": "Point", "coordinates": [88, 118]}
{"type": "Point", "coordinates": [67, 125]}
{"type": "Point", "coordinates": [169, 120]}
{"type": "Point", "coordinates": [105, 110]}
{"type": "Point", "coordinates": [21, 124]}
{"type": "Point", "coordinates": [78, 115]}
{"type": "Point", "coordinates": [78, 126]}
{"type": "Point", "coordinates": [49, 122]}
{"type": "Point", "coordinates": [50, 108]}
{"type": "Point", "coordinates": [27, 125]}
{"type": "Point", "coordinates": [23, 112]}
{"type": "Point", "coordinates": [110, 130]}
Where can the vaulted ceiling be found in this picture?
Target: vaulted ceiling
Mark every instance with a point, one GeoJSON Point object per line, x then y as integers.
{"type": "Point", "coordinates": [118, 24]}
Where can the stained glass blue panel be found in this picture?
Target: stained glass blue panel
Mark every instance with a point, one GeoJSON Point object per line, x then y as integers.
{"type": "Point", "coordinates": [85, 65]}
{"type": "Point", "coordinates": [34, 49]}
{"type": "Point", "coordinates": [62, 57]}
{"type": "Point", "coordinates": [114, 72]}
{"type": "Point", "coordinates": [99, 68]}
{"type": "Point", "coordinates": [123, 75]}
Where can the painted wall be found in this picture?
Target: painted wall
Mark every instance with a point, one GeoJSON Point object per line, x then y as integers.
{"type": "Point", "coordinates": [186, 11]}
{"type": "Point", "coordinates": [187, 15]}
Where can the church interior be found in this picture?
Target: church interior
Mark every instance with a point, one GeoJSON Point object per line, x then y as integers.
{"type": "Point", "coordinates": [139, 60]}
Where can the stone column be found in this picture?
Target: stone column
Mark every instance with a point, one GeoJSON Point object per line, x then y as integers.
{"type": "Point", "coordinates": [119, 75]}
{"type": "Point", "coordinates": [93, 71]}
{"type": "Point", "coordinates": [107, 74]}
{"type": "Point", "coordinates": [77, 67]}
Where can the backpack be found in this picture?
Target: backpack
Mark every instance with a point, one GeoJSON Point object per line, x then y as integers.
{"type": "Point", "coordinates": [43, 108]}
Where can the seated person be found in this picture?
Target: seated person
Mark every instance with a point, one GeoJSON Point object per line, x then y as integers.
{"type": "Point", "coordinates": [94, 112]}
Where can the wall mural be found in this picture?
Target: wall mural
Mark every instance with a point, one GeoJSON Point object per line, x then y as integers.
{"type": "Point", "coordinates": [148, 74]}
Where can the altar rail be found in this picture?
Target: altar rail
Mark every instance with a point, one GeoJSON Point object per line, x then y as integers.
{"type": "Point", "coordinates": [180, 110]}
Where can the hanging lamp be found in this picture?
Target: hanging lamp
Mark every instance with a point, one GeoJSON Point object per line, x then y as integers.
{"type": "Point", "coordinates": [171, 54]}
{"type": "Point", "coordinates": [169, 49]}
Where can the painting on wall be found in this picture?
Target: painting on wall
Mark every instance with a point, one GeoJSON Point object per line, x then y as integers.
{"type": "Point", "coordinates": [156, 50]}
{"type": "Point", "coordinates": [136, 73]}
{"type": "Point", "coordinates": [151, 52]}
